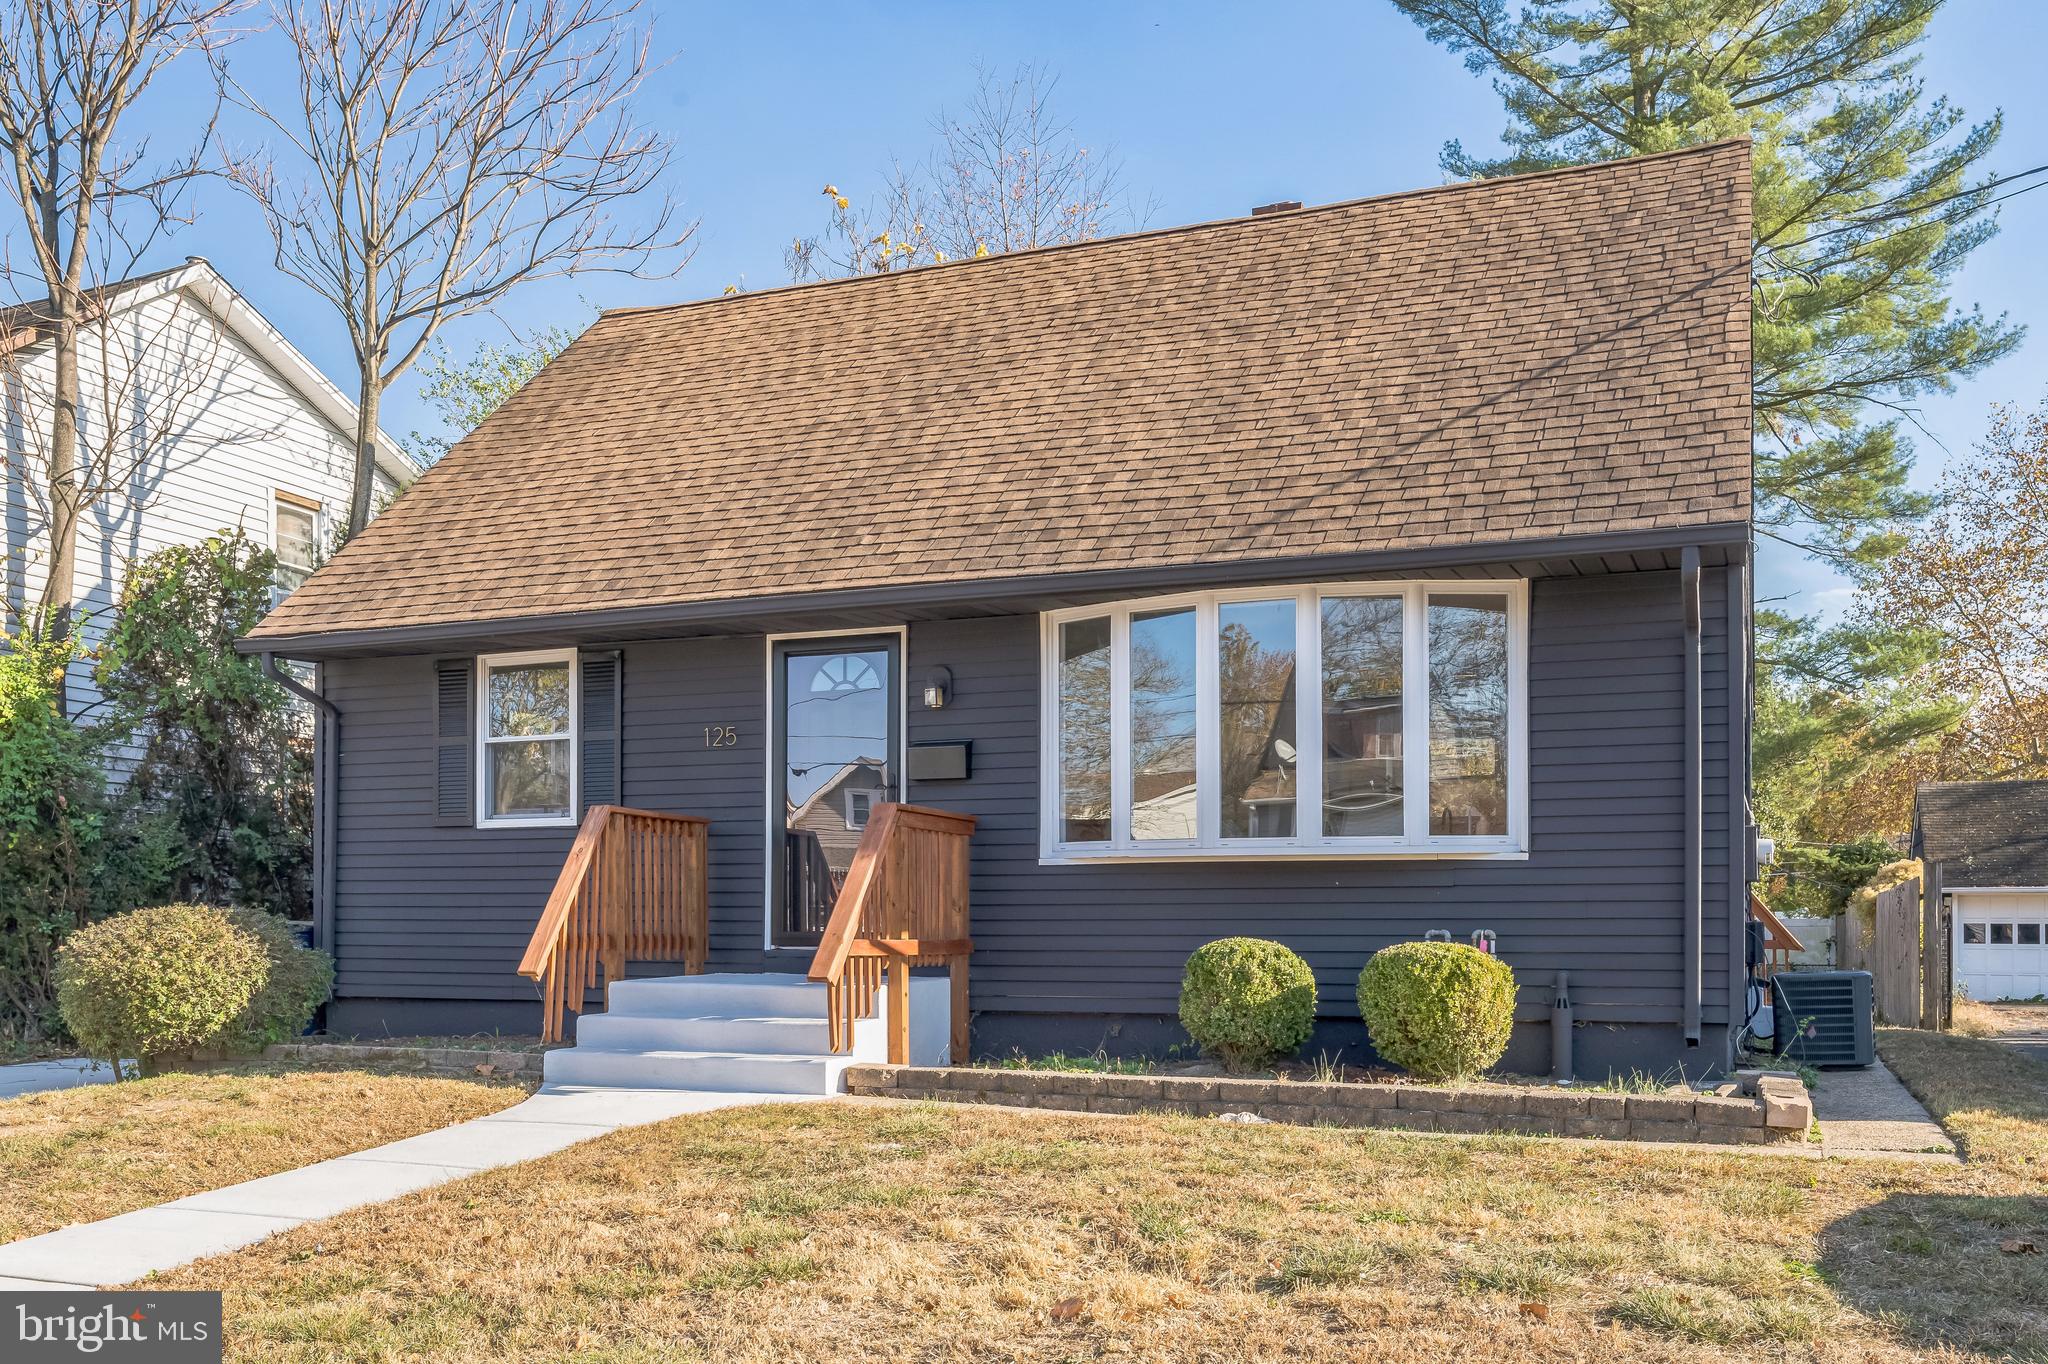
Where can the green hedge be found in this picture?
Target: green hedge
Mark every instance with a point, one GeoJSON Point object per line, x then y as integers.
{"type": "Point", "coordinates": [1440, 1010]}
{"type": "Point", "coordinates": [298, 982]}
{"type": "Point", "coordinates": [153, 983]}
{"type": "Point", "coordinates": [1247, 1001]}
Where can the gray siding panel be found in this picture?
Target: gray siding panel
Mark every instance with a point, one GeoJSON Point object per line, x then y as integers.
{"type": "Point", "coordinates": [1599, 895]}
{"type": "Point", "coordinates": [437, 913]}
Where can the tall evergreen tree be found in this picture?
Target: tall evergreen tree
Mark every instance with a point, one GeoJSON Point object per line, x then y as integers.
{"type": "Point", "coordinates": [1869, 195]}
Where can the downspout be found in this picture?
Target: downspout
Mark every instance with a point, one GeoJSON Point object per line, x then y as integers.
{"type": "Point", "coordinates": [1689, 594]}
{"type": "Point", "coordinates": [1742, 869]}
{"type": "Point", "coordinates": [326, 737]}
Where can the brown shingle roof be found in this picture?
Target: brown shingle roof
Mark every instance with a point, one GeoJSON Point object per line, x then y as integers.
{"type": "Point", "coordinates": [1989, 833]}
{"type": "Point", "coordinates": [1511, 360]}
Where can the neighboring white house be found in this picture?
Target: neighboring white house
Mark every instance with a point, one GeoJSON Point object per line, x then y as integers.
{"type": "Point", "coordinates": [197, 415]}
{"type": "Point", "coordinates": [1985, 848]}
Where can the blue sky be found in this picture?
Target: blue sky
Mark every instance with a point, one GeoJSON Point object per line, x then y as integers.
{"type": "Point", "coordinates": [1213, 108]}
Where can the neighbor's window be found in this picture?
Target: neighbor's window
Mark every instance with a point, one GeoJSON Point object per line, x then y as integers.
{"type": "Point", "coordinates": [2030, 935]}
{"type": "Point", "coordinates": [859, 806]}
{"type": "Point", "coordinates": [526, 754]}
{"type": "Point", "coordinates": [297, 542]}
{"type": "Point", "coordinates": [2001, 935]}
{"type": "Point", "coordinates": [1176, 727]}
{"type": "Point", "coordinates": [1973, 933]}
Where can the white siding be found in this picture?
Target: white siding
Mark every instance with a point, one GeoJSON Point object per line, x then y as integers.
{"type": "Point", "coordinates": [207, 432]}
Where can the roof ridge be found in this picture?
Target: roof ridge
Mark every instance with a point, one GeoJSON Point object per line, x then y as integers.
{"type": "Point", "coordinates": [1208, 224]}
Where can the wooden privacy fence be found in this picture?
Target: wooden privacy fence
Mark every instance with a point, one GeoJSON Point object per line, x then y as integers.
{"type": "Point", "coordinates": [631, 889]}
{"type": "Point", "coordinates": [1905, 949]}
{"type": "Point", "coordinates": [903, 904]}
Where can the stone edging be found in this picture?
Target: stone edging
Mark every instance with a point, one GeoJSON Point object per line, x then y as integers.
{"type": "Point", "coordinates": [1774, 1108]}
{"type": "Point", "coordinates": [456, 1062]}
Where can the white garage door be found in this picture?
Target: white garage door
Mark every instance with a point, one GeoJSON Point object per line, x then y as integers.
{"type": "Point", "coordinates": [2002, 945]}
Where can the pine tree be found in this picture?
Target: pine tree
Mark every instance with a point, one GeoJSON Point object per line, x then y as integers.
{"type": "Point", "coordinates": [1869, 195]}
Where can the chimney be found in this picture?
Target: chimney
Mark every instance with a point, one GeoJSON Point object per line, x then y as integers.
{"type": "Point", "coordinates": [1284, 206]}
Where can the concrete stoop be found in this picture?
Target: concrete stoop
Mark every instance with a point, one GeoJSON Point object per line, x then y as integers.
{"type": "Point", "coordinates": [750, 1033]}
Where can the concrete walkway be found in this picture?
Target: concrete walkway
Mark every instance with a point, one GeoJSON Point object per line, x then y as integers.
{"type": "Point", "coordinates": [1868, 1112]}
{"type": "Point", "coordinates": [33, 1077]}
{"type": "Point", "coordinates": [122, 1249]}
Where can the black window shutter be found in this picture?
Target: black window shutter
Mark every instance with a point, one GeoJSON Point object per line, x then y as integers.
{"type": "Point", "coordinates": [602, 682]}
{"type": "Point", "coordinates": [454, 740]}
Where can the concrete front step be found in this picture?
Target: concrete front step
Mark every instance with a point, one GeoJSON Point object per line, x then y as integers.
{"type": "Point", "coordinates": [762, 1034]}
{"type": "Point", "coordinates": [712, 1032]}
{"type": "Point", "coordinates": [739, 1072]}
{"type": "Point", "coordinates": [725, 995]}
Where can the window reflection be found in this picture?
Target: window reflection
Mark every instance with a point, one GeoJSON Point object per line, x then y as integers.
{"type": "Point", "coordinates": [1084, 731]}
{"type": "Point", "coordinates": [1362, 753]}
{"type": "Point", "coordinates": [1468, 715]}
{"type": "Point", "coordinates": [1255, 673]}
{"type": "Point", "coordinates": [1163, 725]}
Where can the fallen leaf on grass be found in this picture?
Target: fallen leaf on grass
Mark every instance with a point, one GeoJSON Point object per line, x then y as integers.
{"type": "Point", "coordinates": [1539, 1310]}
{"type": "Point", "coordinates": [1066, 1309]}
{"type": "Point", "coordinates": [2015, 1246]}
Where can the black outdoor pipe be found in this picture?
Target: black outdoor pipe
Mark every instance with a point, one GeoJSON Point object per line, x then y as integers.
{"type": "Point", "coordinates": [1689, 592]}
{"type": "Point", "coordinates": [327, 735]}
{"type": "Point", "coordinates": [1561, 1030]}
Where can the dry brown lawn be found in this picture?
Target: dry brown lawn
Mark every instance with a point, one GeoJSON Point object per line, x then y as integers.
{"type": "Point", "coordinates": [857, 1231]}
{"type": "Point", "coordinates": [1973, 1019]}
{"type": "Point", "coordinates": [77, 1155]}
{"type": "Point", "coordinates": [1993, 1100]}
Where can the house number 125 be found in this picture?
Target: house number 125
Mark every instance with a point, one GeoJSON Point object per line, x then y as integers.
{"type": "Point", "coordinates": [721, 736]}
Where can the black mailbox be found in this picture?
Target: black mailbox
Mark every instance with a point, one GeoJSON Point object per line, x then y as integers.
{"type": "Point", "coordinates": [939, 761]}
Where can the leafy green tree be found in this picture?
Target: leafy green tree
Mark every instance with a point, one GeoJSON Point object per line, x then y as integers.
{"type": "Point", "coordinates": [1833, 706]}
{"type": "Point", "coordinates": [1817, 879]}
{"type": "Point", "coordinates": [226, 764]}
{"type": "Point", "coordinates": [1869, 195]}
{"type": "Point", "coordinates": [464, 392]}
{"type": "Point", "coordinates": [62, 849]}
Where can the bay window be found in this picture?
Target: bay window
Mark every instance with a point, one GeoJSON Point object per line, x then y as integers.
{"type": "Point", "coordinates": [1330, 720]}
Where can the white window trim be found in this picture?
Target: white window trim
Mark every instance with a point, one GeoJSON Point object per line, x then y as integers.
{"type": "Point", "coordinates": [850, 793]}
{"type": "Point", "coordinates": [1416, 843]}
{"type": "Point", "coordinates": [285, 497]}
{"type": "Point", "coordinates": [484, 664]}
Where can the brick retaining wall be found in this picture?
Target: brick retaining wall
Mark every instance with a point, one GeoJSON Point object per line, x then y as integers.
{"type": "Point", "coordinates": [1771, 1112]}
{"type": "Point", "coordinates": [458, 1062]}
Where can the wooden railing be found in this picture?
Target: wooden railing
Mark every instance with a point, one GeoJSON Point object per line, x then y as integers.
{"type": "Point", "coordinates": [903, 904]}
{"type": "Point", "coordinates": [631, 889]}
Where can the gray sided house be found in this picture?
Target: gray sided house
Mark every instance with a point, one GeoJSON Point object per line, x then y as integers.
{"type": "Point", "coordinates": [1332, 575]}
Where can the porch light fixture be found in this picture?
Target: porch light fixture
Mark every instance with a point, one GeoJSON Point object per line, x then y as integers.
{"type": "Point", "coordinates": [938, 688]}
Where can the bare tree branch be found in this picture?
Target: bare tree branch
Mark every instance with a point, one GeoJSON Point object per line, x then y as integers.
{"type": "Point", "coordinates": [91, 203]}
{"type": "Point", "coordinates": [443, 154]}
{"type": "Point", "coordinates": [1008, 174]}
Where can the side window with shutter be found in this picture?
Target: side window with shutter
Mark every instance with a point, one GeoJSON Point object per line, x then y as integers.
{"type": "Point", "coordinates": [602, 700]}
{"type": "Point", "coordinates": [454, 768]}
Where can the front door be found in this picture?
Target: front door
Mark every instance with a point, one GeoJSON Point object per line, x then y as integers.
{"type": "Point", "coordinates": [837, 709]}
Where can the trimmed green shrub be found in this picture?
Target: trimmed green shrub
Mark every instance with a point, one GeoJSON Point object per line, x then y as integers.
{"type": "Point", "coordinates": [297, 984]}
{"type": "Point", "coordinates": [1440, 1010]}
{"type": "Point", "coordinates": [1247, 1001]}
{"type": "Point", "coordinates": [153, 983]}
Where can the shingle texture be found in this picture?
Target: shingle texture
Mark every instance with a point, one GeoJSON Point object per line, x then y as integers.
{"type": "Point", "coordinates": [1512, 360]}
{"type": "Point", "coordinates": [1985, 833]}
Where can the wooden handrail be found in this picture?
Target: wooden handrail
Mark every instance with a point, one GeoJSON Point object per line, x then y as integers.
{"type": "Point", "coordinates": [632, 889]}
{"type": "Point", "coordinates": [903, 904]}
